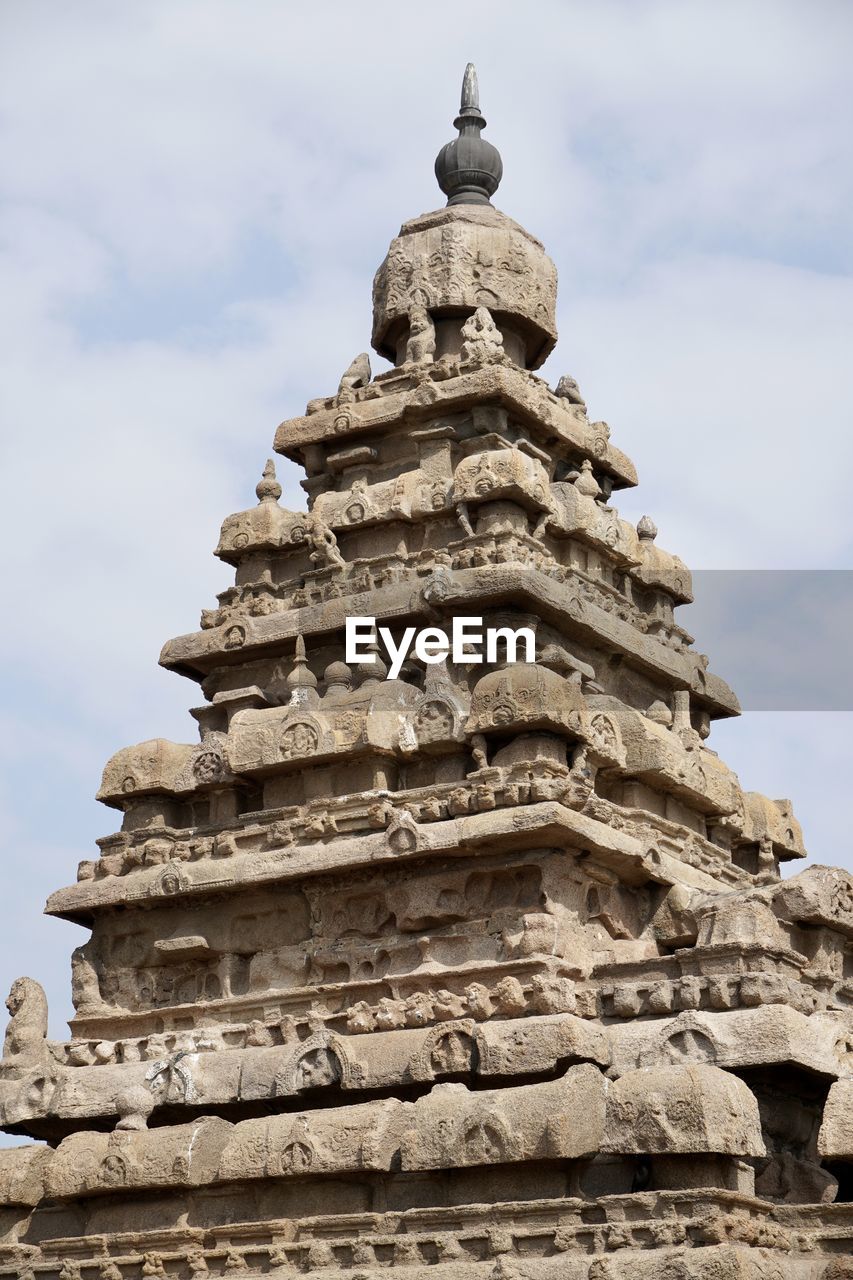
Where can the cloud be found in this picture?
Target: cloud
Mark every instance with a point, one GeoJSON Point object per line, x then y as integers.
{"type": "Point", "coordinates": [195, 197]}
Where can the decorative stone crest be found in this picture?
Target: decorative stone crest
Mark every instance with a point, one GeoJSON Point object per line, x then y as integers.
{"type": "Point", "coordinates": [402, 832]}
{"type": "Point", "coordinates": [319, 1062]}
{"type": "Point", "coordinates": [299, 738]}
{"type": "Point", "coordinates": [449, 1049]}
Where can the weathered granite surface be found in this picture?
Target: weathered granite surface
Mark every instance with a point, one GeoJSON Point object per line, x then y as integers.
{"type": "Point", "coordinates": [483, 971]}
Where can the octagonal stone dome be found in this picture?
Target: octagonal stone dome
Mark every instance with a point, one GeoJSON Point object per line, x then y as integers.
{"type": "Point", "coordinates": [455, 260]}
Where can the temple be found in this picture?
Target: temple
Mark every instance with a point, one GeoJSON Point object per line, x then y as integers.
{"type": "Point", "coordinates": [484, 970]}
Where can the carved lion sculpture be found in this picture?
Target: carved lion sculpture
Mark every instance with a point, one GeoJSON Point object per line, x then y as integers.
{"type": "Point", "coordinates": [26, 1034]}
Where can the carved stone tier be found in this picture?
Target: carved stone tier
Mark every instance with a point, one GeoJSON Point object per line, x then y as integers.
{"type": "Point", "coordinates": [454, 590]}
{"type": "Point", "coordinates": [409, 399]}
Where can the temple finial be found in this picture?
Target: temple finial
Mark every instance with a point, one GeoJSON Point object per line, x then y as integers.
{"type": "Point", "coordinates": [470, 90]}
{"type": "Point", "coordinates": [301, 682]}
{"type": "Point", "coordinates": [268, 488]}
{"type": "Point", "coordinates": [469, 169]}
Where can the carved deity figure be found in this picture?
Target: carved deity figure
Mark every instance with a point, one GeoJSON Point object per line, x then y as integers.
{"type": "Point", "coordinates": [482, 341]}
{"type": "Point", "coordinates": [324, 544]}
{"type": "Point", "coordinates": [26, 1034]}
{"type": "Point", "coordinates": [420, 347]}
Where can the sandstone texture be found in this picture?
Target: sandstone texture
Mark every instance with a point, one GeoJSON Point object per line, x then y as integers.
{"type": "Point", "coordinates": [486, 970]}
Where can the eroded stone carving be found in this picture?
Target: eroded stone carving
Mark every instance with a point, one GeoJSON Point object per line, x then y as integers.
{"type": "Point", "coordinates": [482, 340]}
{"type": "Point", "coordinates": [26, 1032]}
{"type": "Point", "coordinates": [489, 966]}
{"type": "Point", "coordinates": [355, 376]}
{"type": "Point", "coordinates": [420, 345]}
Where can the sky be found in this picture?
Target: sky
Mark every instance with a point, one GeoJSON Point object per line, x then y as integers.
{"type": "Point", "coordinates": [195, 196]}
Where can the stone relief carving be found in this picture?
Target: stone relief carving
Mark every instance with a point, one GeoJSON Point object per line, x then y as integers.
{"type": "Point", "coordinates": [482, 341]}
{"type": "Point", "coordinates": [319, 1062]}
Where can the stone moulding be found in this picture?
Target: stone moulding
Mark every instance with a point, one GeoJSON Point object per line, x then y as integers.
{"type": "Point", "coordinates": [706, 1234]}
{"type": "Point", "coordinates": [527, 588]}
{"type": "Point", "coordinates": [510, 388]}
{"type": "Point", "coordinates": [674, 1111]}
{"type": "Point", "coordinates": [524, 827]}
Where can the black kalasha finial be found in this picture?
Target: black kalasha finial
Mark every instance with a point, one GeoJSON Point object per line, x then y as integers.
{"type": "Point", "coordinates": [469, 169]}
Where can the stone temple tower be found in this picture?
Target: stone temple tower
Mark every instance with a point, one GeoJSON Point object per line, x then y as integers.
{"type": "Point", "coordinates": [477, 967]}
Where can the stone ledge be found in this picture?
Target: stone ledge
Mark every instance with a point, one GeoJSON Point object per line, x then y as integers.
{"type": "Point", "coordinates": [520, 828]}
{"type": "Point", "coordinates": [678, 1110]}
{"type": "Point", "coordinates": [198, 652]}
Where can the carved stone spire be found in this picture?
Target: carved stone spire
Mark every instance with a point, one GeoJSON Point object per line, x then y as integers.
{"type": "Point", "coordinates": [469, 169]}
{"type": "Point", "coordinates": [268, 488]}
{"type": "Point", "coordinates": [301, 682]}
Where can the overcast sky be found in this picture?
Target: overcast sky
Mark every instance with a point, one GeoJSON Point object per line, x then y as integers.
{"type": "Point", "coordinates": [195, 198]}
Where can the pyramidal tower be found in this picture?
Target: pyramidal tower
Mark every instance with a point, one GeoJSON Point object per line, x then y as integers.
{"type": "Point", "coordinates": [450, 948]}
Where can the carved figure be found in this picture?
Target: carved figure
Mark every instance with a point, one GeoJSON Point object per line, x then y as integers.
{"type": "Point", "coordinates": [479, 751]}
{"type": "Point", "coordinates": [509, 997]}
{"type": "Point", "coordinates": [318, 1069]}
{"type": "Point", "coordinates": [448, 1006]}
{"type": "Point", "coordinates": [418, 1010]}
{"type": "Point", "coordinates": [390, 1014]}
{"type": "Point", "coordinates": [85, 990]}
{"type": "Point", "coordinates": [26, 1032]}
{"type": "Point", "coordinates": [360, 1018]}
{"type": "Point", "coordinates": [464, 518]}
{"type": "Point", "coordinates": [420, 346]}
{"type": "Point", "coordinates": [479, 1001]}
{"type": "Point", "coordinates": [324, 544]}
{"type": "Point", "coordinates": [482, 341]}
{"type": "Point", "coordinates": [568, 389]}
{"type": "Point", "coordinates": [552, 995]}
